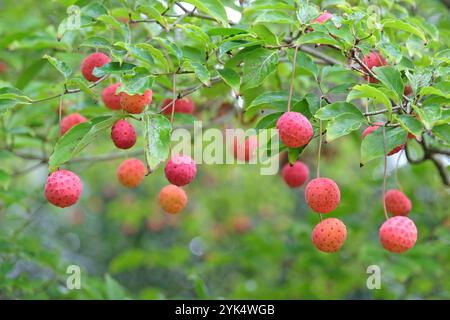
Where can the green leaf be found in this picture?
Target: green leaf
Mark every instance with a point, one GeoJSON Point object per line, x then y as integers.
{"type": "Point", "coordinates": [433, 91]}
{"type": "Point", "coordinates": [230, 45]}
{"type": "Point", "coordinates": [114, 291]}
{"type": "Point", "coordinates": [392, 79]}
{"type": "Point", "coordinates": [97, 43]}
{"type": "Point", "coordinates": [113, 68]}
{"type": "Point", "coordinates": [200, 288]}
{"type": "Point", "coordinates": [83, 85]}
{"type": "Point", "coordinates": [443, 132]}
{"type": "Point", "coordinates": [137, 82]}
{"type": "Point", "coordinates": [157, 130]}
{"type": "Point", "coordinates": [410, 123]}
{"type": "Point", "coordinates": [294, 153]}
{"type": "Point", "coordinates": [273, 16]}
{"type": "Point", "coordinates": [230, 77]}
{"type": "Point", "coordinates": [5, 179]}
{"type": "Point", "coordinates": [343, 125]}
{"type": "Point", "coordinates": [268, 121]}
{"type": "Point", "coordinates": [428, 114]}
{"type": "Point", "coordinates": [372, 146]}
{"type": "Point", "coordinates": [317, 37]}
{"type": "Point", "coordinates": [78, 137]}
{"type": "Point", "coordinates": [214, 8]}
{"type": "Point", "coordinates": [112, 22]}
{"type": "Point", "coordinates": [258, 64]}
{"type": "Point", "coordinates": [61, 66]}
{"type": "Point", "coordinates": [404, 26]}
{"type": "Point", "coordinates": [305, 63]}
{"type": "Point", "coordinates": [225, 31]}
{"type": "Point", "coordinates": [10, 97]}
{"type": "Point", "coordinates": [201, 72]}
{"type": "Point", "coordinates": [367, 91]}
{"type": "Point", "coordinates": [306, 12]}
{"type": "Point", "coordinates": [331, 111]}
{"type": "Point", "coordinates": [153, 13]}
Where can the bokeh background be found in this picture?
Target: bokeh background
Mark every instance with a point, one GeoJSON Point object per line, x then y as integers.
{"type": "Point", "coordinates": [242, 236]}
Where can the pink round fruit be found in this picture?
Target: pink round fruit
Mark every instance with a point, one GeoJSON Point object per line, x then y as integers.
{"type": "Point", "coordinates": [374, 59]}
{"type": "Point", "coordinates": [123, 134]}
{"type": "Point", "coordinates": [322, 195]}
{"type": "Point", "coordinates": [71, 120]}
{"type": "Point", "coordinates": [245, 150]}
{"type": "Point", "coordinates": [92, 61]}
{"type": "Point", "coordinates": [180, 170]}
{"type": "Point", "coordinates": [295, 129]}
{"type": "Point", "coordinates": [110, 98]}
{"type": "Point", "coordinates": [131, 172]}
{"type": "Point", "coordinates": [172, 199]}
{"type": "Point", "coordinates": [397, 203]}
{"type": "Point", "coordinates": [183, 105]}
{"type": "Point", "coordinates": [63, 188]}
{"type": "Point", "coordinates": [135, 103]}
{"type": "Point", "coordinates": [329, 235]}
{"type": "Point", "coordinates": [323, 17]}
{"type": "Point", "coordinates": [295, 175]}
{"type": "Point", "coordinates": [398, 234]}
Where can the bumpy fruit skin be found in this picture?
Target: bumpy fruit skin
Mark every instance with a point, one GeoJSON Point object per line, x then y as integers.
{"type": "Point", "coordinates": [131, 172]}
{"type": "Point", "coordinates": [183, 105]}
{"type": "Point", "coordinates": [172, 199]}
{"type": "Point", "coordinates": [295, 129]}
{"type": "Point", "coordinates": [323, 17]}
{"type": "Point", "coordinates": [180, 170]}
{"type": "Point", "coordinates": [329, 235]}
{"type": "Point", "coordinates": [135, 103]}
{"type": "Point", "coordinates": [322, 195]}
{"type": "Point", "coordinates": [110, 98]}
{"type": "Point", "coordinates": [123, 134]}
{"type": "Point", "coordinates": [245, 150]}
{"type": "Point", "coordinates": [92, 61]}
{"type": "Point", "coordinates": [63, 188]}
{"type": "Point", "coordinates": [397, 203]}
{"type": "Point", "coordinates": [295, 175]}
{"type": "Point", "coordinates": [372, 60]}
{"type": "Point", "coordinates": [70, 121]}
{"type": "Point", "coordinates": [371, 129]}
{"type": "Point", "coordinates": [398, 234]}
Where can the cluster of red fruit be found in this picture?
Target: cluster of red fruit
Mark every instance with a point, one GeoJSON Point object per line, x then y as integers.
{"type": "Point", "coordinates": [63, 187]}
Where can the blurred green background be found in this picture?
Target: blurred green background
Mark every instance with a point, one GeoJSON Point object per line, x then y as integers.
{"type": "Point", "coordinates": [242, 236]}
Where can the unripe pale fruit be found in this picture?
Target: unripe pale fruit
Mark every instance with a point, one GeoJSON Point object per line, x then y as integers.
{"type": "Point", "coordinates": [329, 235]}
{"type": "Point", "coordinates": [110, 98]}
{"type": "Point", "coordinates": [172, 199]}
{"type": "Point", "coordinates": [183, 105]}
{"type": "Point", "coordinates": [70, 121]}
{"type": "Point", "coordinates": [322, 195]}
{"type": "Point", "coordinates": [135, 103]}
{"type": "Point", "coordinates": [131, 172]}
{"type": "Point", "coordinates": [295, 129]}
{"type": "Point", "coordinates": [92, 61]}
{"type": "Point", "coordinates": [323, 17]}
{"type": "Point", "coordinates": [295, 175]}
{"type": "Point", "coordinates": [123, 134]}
{"type": "Point", "coordinates": [372, 60]}
{"type": "Point", "coordinates": [245, 150]}
{"type": "Point", "coordinates": [397, 203]}
{"type": "Point", "coordinates": [371, 129]}
{"type": "Point", "coordinates": [398, 234]}
{"type": "Point", "coordinates": [63, 188]}
{"type": "Point", "coordinates": [180, 170]}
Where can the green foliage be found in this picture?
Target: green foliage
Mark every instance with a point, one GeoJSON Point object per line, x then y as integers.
{"type": "Point", "coordinates": [220, 52]}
